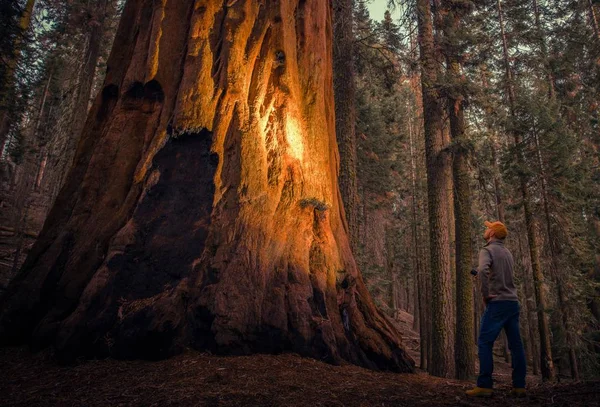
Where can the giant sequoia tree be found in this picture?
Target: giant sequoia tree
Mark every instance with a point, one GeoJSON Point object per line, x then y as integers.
{"type": "Point", "coordinates": [202, 208]}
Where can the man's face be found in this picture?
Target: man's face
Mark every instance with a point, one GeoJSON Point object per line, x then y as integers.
{"type": "Point", "coordinates": [488, 234]}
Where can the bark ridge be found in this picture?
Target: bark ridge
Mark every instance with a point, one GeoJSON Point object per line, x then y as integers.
{"type": "Point", "coordinates": [203, 207]}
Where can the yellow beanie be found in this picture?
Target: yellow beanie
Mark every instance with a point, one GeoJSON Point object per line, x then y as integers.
{"type": "Point", "coordinates": [499, 229]}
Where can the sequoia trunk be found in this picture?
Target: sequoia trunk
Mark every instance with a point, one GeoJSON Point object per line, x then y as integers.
{"type": "Point", "coordinates": [203, 207]}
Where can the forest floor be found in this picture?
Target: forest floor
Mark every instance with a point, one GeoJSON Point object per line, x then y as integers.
{"type": "Point", "coordinates": [195, 379]}
{"type": "Point", "coordinates": [198, 379]}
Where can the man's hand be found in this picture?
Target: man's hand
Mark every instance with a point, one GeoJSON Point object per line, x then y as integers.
{"type": "Point", "coordinates": [487, 299]}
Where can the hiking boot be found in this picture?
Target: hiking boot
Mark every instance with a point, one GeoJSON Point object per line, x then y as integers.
{"type": "Point", "coordinates": [518, 392]}
{"type": "Point", "coordinates": [479, 392]}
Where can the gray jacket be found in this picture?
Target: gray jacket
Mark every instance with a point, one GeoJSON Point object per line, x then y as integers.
{"type": "Point", "coordinates": [496, 272]}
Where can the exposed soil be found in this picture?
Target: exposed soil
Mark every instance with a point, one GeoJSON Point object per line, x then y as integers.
{"type": "Point", "coordinates": [194, 379]}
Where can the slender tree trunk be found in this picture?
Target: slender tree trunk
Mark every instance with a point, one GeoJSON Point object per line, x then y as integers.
{"type": "Point", "coordinates": [423, 342]}
{"type": "Point", "coordinates": [26, 185]}
{"type": "Point", "coordinates": [538, 277]}
{"type": "Point", "coordinates": [428, 301]}
{"type": "Point", "coordinates": [497, 186]}
{"type": "Point", "coordinates": [9, 80]}
{"type": "Point", "coordinates": [420, 284]}
{"type": "Point", "coordinates": [464, 346]}
{"type": "Point", "coordinates": [563, 306]}
{"type": "Point", "coordinates": [477, 308]}
{"type": "Point", "coordinates": [498, 196]}
{"type": "Point", "coordinates": [527, 339]}
{"type": "Point", "coordinates": [541, 33]}
{"type": "Point", "coordinates": [529, 308]}
{"type": "Point", "coordinates": [345, 112]}
{"type": "Point", "coordinates": [594, 19]}
{"type": "Point", "coordinates": [87, 74]}
{"type": "Point", "coordinates": [438, 183]}
{"type": "Point", "coordinates": [452, 246]}
{"type": "Point", "coordinates": [203, 208]}
{"type": "Point", "coordinates": [416, 310]}
{"type": "Point", "coordinates": [530, 222]}
{"type": "Point", "coordinates": [414, 222]}
{"type": "Point", "coordinates": [594, 302]}
{"type": "Point", "coordinates": [556, 273]}
{"type": "Point", "coordinates": [394, 287]}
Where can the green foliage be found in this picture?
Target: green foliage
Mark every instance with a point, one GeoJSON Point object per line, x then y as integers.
{"type": "Point", "coordinates": [387, 113]}
{"type": "Point", "coordinates": [51, 54]}
{"type": "Point", "coordinates": [379, 104]}
{"type": "Point", "coordinates": [555, 81]}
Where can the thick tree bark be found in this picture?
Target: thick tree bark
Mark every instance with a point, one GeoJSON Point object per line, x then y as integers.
{"type": "Point", "coordinates": [203, 207]}
{"type": "Point", "coordinates": [345, 112]}
{"type": "Point", "coordinates": [464, 346]}
{"type": "Point", "coordinates": [438, 183]}
{"type": "Point", "coordinates": [547, 365]}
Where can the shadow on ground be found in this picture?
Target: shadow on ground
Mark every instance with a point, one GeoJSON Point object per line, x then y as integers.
{"type": "Point", "coordinates": [195, 379]}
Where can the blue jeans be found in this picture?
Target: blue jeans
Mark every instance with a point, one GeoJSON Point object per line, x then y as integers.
{"type": "Point", "coordinates": [498, 315]}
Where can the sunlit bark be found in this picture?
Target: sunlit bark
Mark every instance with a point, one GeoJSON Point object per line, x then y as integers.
{"type": "Point", "coordinates": [203, 207]}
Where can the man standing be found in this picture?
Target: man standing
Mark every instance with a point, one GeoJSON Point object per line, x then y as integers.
{"type": "Point", "coordinates": [501, 311]}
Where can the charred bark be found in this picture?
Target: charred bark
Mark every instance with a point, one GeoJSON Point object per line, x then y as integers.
{"type": "Point", "coordinates": [203, 207]}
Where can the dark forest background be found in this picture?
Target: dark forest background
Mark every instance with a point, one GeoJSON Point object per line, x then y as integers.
{"type": "Point", "coordinates": [526, 75]}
